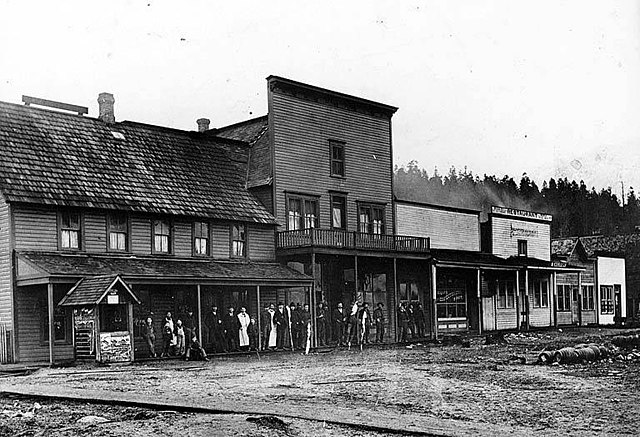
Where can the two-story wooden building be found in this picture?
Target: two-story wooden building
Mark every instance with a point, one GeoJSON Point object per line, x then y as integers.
{"type": "Point", "coordinates": [105, 223]}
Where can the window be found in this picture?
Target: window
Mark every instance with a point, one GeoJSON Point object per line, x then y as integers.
{"type": "Point", "coordinates": [371, 219]}
{"type": "Point", "coordinates": [61, 319]}
{"type": "Point", "coordinates": [70, 230]}
{"type": "Point", "coordinates": [302, 213]}
{"type": "Point", "coordinates": [522, 247]}
{"type": "Point", "coordinates": [201, 238]}
{"type": "Point", "coordinates": [117, 230]}
{"type": "Point", "coordinates": [506, 293]}
{"type": "Point", "coordinates": [337, 158]}
{"type": "Point", "coordinates": [606, 299]}
{"type": "Point", "coordinates": [161, 236]}
{"type": "Point", "coordinates": [338, 212]}
{"type": "Point", "coordinates": [238, 241]}
{"type": "Point", "coordinates": [451, 298]}
{"type": "Point", "coordinates": [564, 297]}
{"type": "Point", "coordinates": [587, 297]}
{"type": "Point", "coordinates": [540, 294]}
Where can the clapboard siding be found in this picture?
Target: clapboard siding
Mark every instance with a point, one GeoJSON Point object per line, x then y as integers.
{"type": "Point", "coordinates": [29, 313]}
{"type": "Point", "coordinates": [447, 229]}
{"type": "Point", "coordinates": [564, 318]}
{"type": "Point", "coordinates": [6, 316]}
{"type": "Point", "coordinates": [539, 317]}
{"type": "Point", "coordinates": [95, 232]}
{"type": "Point", "coordinates": [505, 233]}
{"type": "Point", "coordinates": [141, 235]}
{"type": "Point", "coordinates": [302, 130]}
{"type": "Point", "coordinates": [182, 235]}
{"type": "Point", "coordinates": [221, 238]}
{"type": "Point", "coordinates": [506, 318]}
{"type": "Point", "coordinates": [35, 229]}
{"type": "Point", "coordinates": [261, 243]}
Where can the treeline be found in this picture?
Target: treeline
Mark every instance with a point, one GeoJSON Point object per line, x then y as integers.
{"type": "Point", "coordinates": [576, 209]}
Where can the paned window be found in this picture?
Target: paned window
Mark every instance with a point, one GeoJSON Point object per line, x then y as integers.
{"type": "Point", "coordinates": [540, 294]}
{"type": "Point", "coordinates": [451, 298]}
{"type": "Point", "coordinates": [117, 228]}
{"type": "Point", "coordinates": [338, 212]}
{"type": "Point", "coordinates": [564, 297]}
{"type": "Point", "coordinates": [201, 238]}
{"type": "Point", "coordinates": [238, 240]}
{"type": "Point", "coordinates": [371, 219]}
{"type": "Point", "coordinates": [522, 247]}
{"type": "Point", "coordinates": [302, 213]}
{"type": "Point", "coordinates": [588, 301]}
{"type": "Point", "coordinates": [606, 299]}
{"type": "Point", "coordinates": [161, 236]}
{"type": "Point", "coordinates": [337, 158]}
{"type": "Point", "coordinates": [70, 230]}
{"type": "Point", "coordinates": [506, 293]}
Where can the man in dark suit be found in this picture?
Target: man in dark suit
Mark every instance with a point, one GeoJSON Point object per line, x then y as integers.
{"type": "Point", "coordinates": [339, 320]}
{"type": "Point", "coordinates": [281, 321]}
{"type": "Point", "coordinates": [231, 329]}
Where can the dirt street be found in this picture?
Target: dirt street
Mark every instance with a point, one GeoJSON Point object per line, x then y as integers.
{"type": "Point", "coordinates": [484, 386]}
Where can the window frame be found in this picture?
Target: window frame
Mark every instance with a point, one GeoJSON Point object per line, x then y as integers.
{"type": "Point", "coordinates": [605, 304]}
{"type": "Point", "coordinates": [338, 145]}
{"type": "Point", "coordinates": [588, 297]}
{"type": "Point", "coordinates": [169, 223]}
{"type": "Point", "coordinates": [371, 224]}
{"type": "Point", "coordinates": [127, 232]}
{"type": "Point", "coordinates": [564, 294]}
{"type": "Point", "coordinates": [232, 254]}
{"type": "Point", "coordinates": [522, 248]}
{"type": "Point", "coordinates": [79, 230]}
{"type": "Point", "coordinates": [540, 299]}
{"type": "Point", "coordinates": [194, 237]}
{"type": "Point", "coordinates": [59, 312]}
{"type": "Point", "coordinates": [343, 197]}
{"type": "Point", "coordinates": [304, 199]}
{"type": "Point", "coordinates": [509, 294]}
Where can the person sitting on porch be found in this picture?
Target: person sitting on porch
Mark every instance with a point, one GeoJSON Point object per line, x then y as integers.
{"type": "Point", "coordinates": [180, 343]}
{"type": "Point", "coordinates": [243, 324]}
{"type": "Point", "coordinates": [150, 337]}
{"type": "Point", "coordinates": [195, 351]}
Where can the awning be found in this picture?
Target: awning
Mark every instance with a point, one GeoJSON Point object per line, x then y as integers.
{"type": "Point", "coordinates": [40, 267]}
{"type": "Point", "coordinates": [93, 291]}
{"type": "Point", "coordinates": [482, 260]}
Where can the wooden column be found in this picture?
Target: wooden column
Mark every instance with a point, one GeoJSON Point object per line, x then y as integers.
{"type": "Point", "coordinates": [199, 309]}
{"type": "Point", "coordinates": [312, 301]}
{"type": "Point", "coordinates": [355, 270]}
{"type": "Point", "coordinates": [579, 299]}
{"type": "Point", "coordinates": [433, 301]}
{"type": "Point", "coordinates": [525, 304]}
{"type": "Point", "coordinates": [393, 309]}
{"type": "Point", "coordinates": [130, 329]}
{"type": "Point", "coordinates": [554, 296]}
{"type": "Point", "coordinates": [478, 289]}
{"type": "Point", "coordinates": [518, 311]}
{"type": "Point", "coordinates": [51, 327]}
{"type": "Point", "coordinates": [259, 318]}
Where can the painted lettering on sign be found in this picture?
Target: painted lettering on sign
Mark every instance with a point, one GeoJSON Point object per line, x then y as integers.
{"type": "Point", "coordinates": [521, 213]}
{"type": "Point", "coordinates": [517, 231]}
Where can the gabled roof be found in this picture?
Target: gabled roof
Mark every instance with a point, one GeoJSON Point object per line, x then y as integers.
{"type": "Point", "coordinates": [92, 291]}
{"type": "Point", "coordinates": [66, 160]}
{"type": "Point", "coordinates": [247, 131]}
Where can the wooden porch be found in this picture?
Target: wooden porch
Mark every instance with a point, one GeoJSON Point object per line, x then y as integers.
{"type": "Point", "coordinates": [340, 239]}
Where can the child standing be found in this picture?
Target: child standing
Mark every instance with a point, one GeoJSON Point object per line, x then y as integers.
{"type": "Point", "coordinates": [180, 338]}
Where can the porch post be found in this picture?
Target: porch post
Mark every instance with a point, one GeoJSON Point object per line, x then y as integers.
{"type": "Point", "coordinates": [259, 318]}
{"type": "Point", "coordinates": [478, 288]}
{"type": "Point", "coordinates": [518, 311]}
{"type": "Point", "coordinates": [130, 326]}
{"type": "Point", "coordinates": [433, 301]}
{"type": "Point", "coordinates": [393, 314]}
{"type": "Point", "coordinates": [312, 301]}
{"type": "Point", "coordinates": [579, 299]}
{"type": "Point", "coordinates": [555, 299]}
{"type": "Point", "coordinates": [199, 305]}
{"type": "Point", "coordinates": [525, 304]}
{"type": "Point", "coordinates": [50, 315]}
{"type": "Point", "coordinates": [355, 269]}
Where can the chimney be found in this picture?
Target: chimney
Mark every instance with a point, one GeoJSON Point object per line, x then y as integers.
{"type": "Point", "coordinates": [105, 105]}
{"type": "Point", "coordinates": [203, 124]}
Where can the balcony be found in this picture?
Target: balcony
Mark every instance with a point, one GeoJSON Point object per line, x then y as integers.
{"type": "Point", "coordinates": [339, 239]}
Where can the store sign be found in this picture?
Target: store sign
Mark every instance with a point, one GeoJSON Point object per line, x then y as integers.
{"type": "Point", "coordinates": [115, 347]}
{"type": "Point", "coordinates": [521, 213]}
{"type": "Point", "coordinates": [520, 231]}
{"type": "Point", "coordinates": [113, 299]}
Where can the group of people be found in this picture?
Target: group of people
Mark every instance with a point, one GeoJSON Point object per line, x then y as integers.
{"type": "Point", "coordinates": [411, 321]}
{"type": "Point", "coordinates": [286, 326]}
{"type": "Point", "coordinates": [179, 338]}
{"type": "Point", "coordinates": [353, 325]}
{"type": "Point", "coordinates": [231, 332]}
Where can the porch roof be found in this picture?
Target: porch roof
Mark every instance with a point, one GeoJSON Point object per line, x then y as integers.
{"type": "Point", "coordinates": [147, 268]}
{"type": "Point", "coordinates": [92, 291]}
{"type": "Point", "coordinates": [469, 259]}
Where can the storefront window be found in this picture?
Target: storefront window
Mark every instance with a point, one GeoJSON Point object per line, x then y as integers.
{"type": "Point", "coordinates": [451, 299]}
{"type": "Point", "coordinates": [606, 296]}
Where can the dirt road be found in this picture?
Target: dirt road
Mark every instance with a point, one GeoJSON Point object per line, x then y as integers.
{"type": "Point", "coordinates": [478, 389]}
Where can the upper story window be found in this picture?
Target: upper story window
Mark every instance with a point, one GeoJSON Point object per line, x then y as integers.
{"type": "Point", "coordinates": [161, 236]}
{"type": "Point", "coordinates": [70, 232]}
{"type": "Point", "coordinates": [371, 219]}
{"type": "Point", "coordinates": [338, 212]}
{"type": "Point", "coordinates": [201, 238]}
{"type": "Point", "coordinates": [337, 158]}
{"type": "Point", "coordinates": [522, 247]}
{"type": "Point", "coordinates": [118, 231]}
{"type": "Point", "coordinates": [238, 240]}
{"type": "Point", "coordinates": [302, 212]}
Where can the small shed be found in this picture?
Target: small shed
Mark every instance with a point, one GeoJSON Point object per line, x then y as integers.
{"type": "Point", "coordinates": [103, 318]}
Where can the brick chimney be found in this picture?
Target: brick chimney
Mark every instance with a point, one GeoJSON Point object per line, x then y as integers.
{"type": "Point", "coordinates": [203, 124]}
{"type": "Point", "coordinates": [105, 105]}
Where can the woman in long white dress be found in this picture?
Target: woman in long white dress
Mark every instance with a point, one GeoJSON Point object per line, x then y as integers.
{"type": "Point", "coordinates": [273, 332]}
{"type": "Point", "coordinates": [244, 320]}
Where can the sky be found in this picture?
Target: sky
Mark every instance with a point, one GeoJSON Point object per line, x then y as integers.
{"type": "Point", "coordinates": [547, 88]}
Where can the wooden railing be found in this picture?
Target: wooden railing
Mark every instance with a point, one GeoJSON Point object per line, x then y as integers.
{"type": "Point", "coordinates": [338, 239]}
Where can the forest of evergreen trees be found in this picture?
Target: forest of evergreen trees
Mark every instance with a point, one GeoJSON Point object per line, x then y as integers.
{"type": "Point", "coordinates": [576, 209]}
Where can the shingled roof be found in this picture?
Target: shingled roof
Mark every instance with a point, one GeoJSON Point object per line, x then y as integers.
{"type": "Point", "coordinates": [610, 244]}
{"type": "Point", "coordinates": [91, 291]}
{"type": "Point", "coordinates": [60, 159]}
{"type": "Point", "coordinates": [563, 246]}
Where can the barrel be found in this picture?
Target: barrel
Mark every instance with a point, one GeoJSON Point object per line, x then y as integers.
{"type": "Point", "coordinates": [565, 355]}
{"type": "Point", "coordinates": [546, 357]}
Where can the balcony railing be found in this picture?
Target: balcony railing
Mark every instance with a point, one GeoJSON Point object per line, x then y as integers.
{"type": "Point", "coordinates": [339, 239]}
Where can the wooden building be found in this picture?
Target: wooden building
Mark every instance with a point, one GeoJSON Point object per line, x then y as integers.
{"type": "Point", "coordinates": [120, 221]}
